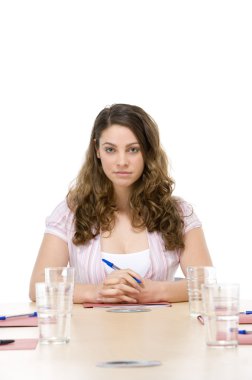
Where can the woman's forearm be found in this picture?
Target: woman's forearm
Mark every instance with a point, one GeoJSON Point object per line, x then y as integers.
{"type": "Point", "coordinates": [85, 293]}
{"type": "Point", "coordinates": [82, 293]}
{"type": "Point", "coordinates": [174, 291]}
{"type": "Point", "coordinates": [163, 291]}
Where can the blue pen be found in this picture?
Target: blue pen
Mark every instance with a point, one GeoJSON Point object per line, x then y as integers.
{"type": "Point", "coordinates": [4, 317]}
{"type": "Point", "coordinates": [246, 312]}
{"type": "Point", "coordinates": [244, 332]}
{"type": "Point", "coordinates": [113, 266]}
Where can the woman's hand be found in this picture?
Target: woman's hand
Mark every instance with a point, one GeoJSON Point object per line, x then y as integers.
{"type": "Point", "coordinates": [163, 291]}
{"type": "Point", "coordinates": [151, 291]}
{"type": "Point", "coordinates": [120, 286]}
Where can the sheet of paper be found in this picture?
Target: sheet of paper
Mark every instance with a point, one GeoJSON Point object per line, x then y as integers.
{"type": "Point", "coordinates": [20, 322]}
{"type": "Point", "coordinates": [245, 318]}
{"type": "Point", "coordinates": [20, 344]}
{"type": "Point", "coordinates": [245, 338]}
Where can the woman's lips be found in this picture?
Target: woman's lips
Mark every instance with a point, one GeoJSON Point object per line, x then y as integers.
{"type": "Point", "coordinates": [123, 173]}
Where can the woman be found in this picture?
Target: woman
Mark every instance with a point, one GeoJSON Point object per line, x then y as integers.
{"type": "Point", "coordinates": [121, 208]}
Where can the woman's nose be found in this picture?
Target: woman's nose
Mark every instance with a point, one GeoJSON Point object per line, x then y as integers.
{"type": "Point", "coordinates": [122, 159]}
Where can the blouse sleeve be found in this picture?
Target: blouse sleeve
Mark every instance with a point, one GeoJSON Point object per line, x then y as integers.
{"type": "Point", "coordinates": [190, 218]}
{"type": "Point", "coordinates": [60, 222]}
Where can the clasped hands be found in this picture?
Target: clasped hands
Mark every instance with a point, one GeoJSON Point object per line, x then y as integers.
{"type": "Point", "coordinates": [121, 287]}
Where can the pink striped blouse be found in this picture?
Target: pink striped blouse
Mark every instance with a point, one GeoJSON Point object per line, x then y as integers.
{"type": "Point", "coordinates": [86, 259]}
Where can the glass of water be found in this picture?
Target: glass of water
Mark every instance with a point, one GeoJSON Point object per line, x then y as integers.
{"type": "Point", "coordinates": [54, 306]}
{"type": "Point", "coordinates": [196, 276]}
{"type": "Point", "coordinates": [221, 314]}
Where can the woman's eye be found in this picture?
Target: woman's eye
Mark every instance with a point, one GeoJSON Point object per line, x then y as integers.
{"type": "Point", "coordinates": [134, 149]}
{"type": "Point", "coordinates": [109, 149]}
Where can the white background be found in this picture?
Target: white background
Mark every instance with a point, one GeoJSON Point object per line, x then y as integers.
{"type": "Point", "coordinates": [187, 63]}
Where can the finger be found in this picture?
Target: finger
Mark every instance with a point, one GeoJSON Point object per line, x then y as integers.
{"type": "Point", "coordinates": [119, 289]}
{"type": "Point", "coordinates": [135, 276]}
{"type": "Point", "coordinates": [110, 281]}
{"type": "Point", "coordinates": [125, 275]}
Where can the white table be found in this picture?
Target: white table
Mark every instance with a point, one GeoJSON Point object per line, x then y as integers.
{"type": "Point", "coordinates": [167, 334]}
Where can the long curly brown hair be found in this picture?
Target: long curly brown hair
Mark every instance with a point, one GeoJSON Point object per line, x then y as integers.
{"type": "Point", "coordinates": [152, 205]}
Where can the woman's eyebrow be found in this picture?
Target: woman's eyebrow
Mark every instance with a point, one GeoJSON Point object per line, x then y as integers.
{"type": "Point", "coordinates": [109, 143]}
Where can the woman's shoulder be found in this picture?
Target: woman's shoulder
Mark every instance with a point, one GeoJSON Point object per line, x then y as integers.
{"type": "Point", "coordinates": [190, 218]}
{"type": "Point", "coordinates": [184, 206]}
{"type": "Point", "coordinates": [60, 221]}
{"type": "Point", "coordinates": [61, 210]}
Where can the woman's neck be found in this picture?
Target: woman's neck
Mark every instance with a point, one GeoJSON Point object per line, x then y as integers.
{"type": "Point", "coordinates": [122, 196]}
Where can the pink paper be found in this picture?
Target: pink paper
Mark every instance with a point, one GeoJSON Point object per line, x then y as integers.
{"type": "Point", "coordinates": [19, 322]}
{"type": "Point", "coordinates": [245, 318]}
{"type": "Point", "coordinates": [242, 338]}
{"type": "Point", "coordinates": [20, 344]}
{"type": "Point", "coordinates": [245, 338]}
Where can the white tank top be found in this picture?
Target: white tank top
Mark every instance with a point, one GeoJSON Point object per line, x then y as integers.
{"type": "Point", "coordinates": [139, 262]}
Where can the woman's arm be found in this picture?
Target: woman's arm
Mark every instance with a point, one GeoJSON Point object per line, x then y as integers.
{"type": "Point", "coordinates": [54, 253]}
{"type": "Point", "coordinates": [195, 253]}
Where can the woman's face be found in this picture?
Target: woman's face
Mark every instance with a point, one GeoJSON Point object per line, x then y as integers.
{"type": "Point", "coordinates": [120, 155]}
